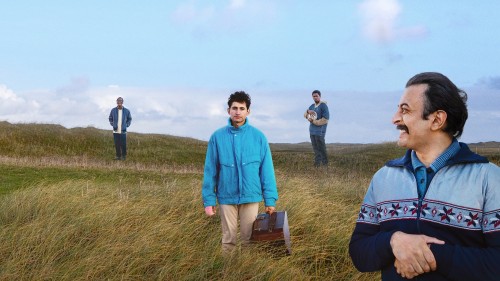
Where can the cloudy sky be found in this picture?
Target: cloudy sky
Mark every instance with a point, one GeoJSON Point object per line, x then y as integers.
{"type": "Point", "coordinates": [176, 62]}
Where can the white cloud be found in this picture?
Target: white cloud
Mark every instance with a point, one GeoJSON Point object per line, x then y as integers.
{"type": "Point", "coordinates": [230, 15]}
{"type": "Point", "coordinates": [7, 94]}
{"type": "Point", "coordinates": [412, 32]}
{"type": "Point", "coordinates": [356, 117]}
{"type": "Point", "coordinates": [10, 103]}
{"type": "Point", "coordinates": [379, 21]}
{"type": "Point", "coordinates": [379, 18]}
{"type": "Point", "coordinates": [190, 12]}
{"type": "Point", "coordinates": [237, 4]}
{"type": "Point", "coordinates": [76, 85]}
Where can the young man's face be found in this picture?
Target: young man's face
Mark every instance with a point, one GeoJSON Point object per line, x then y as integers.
{"type": "Point", "coordinates": [238, 113]}
{"type": "Point", "coordinates": [316, 98]}
{"type": "Point", "coordinates": [414, 129]}
{"type": "Point", "coordinates": [119, 104]}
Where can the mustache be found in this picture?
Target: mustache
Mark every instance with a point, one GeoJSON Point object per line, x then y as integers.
{"type": "Point", "coordinates": [402, 127]}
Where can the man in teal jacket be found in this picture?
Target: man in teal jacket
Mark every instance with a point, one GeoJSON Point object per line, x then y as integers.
{"type": "Point", "coordinates": [239, 173]}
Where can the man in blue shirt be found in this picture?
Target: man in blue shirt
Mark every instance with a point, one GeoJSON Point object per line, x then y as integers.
{"type": "Point", "coordinates": [434, 213]}
{"type": "Point", "coordinates": [318, 115]}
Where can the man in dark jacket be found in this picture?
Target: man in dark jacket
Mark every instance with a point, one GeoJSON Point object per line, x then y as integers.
{"type": "Point", "coordinates": [120, 119]}
{"type": "Point", "coordinates": [433, 214]}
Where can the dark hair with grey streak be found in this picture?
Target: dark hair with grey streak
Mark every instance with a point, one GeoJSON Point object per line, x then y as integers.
{"type": "Point", "coordinates": [241, 97]}
{"type": "Point", "coordinates": [442, 94]}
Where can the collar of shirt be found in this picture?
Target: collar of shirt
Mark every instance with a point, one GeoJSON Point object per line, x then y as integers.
{"type": "Point", "coordinates": [424, 175]}
{"type": "Point", "coordinates": [440, 162]}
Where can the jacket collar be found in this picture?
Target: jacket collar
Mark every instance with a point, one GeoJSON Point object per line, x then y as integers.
{"type": "Point", "coordinates": [239, 129]}
{"type": "Point", "coordinates": [464, 155]}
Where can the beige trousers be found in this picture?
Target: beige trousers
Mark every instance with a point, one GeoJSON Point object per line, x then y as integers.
{"type": "Point", "coordinates": [229, 218]}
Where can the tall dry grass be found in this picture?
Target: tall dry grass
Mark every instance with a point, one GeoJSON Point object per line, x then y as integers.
{"type": "Point", "coordinates": [55, 141]}
{"type": "Point", "coordinates": [76, 230]}
{"type": "Point", "coordinates": [75, 215]}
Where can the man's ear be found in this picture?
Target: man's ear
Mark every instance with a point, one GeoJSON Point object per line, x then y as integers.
{"type": "Point", "coordinates": [439, 120]}
{"type": "Point", "coordinates": [228, 110]}
{"type": "Point", "coordinates": [248, 111]}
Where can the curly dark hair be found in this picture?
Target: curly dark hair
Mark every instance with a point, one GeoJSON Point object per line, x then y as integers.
{"type": "Point", "coordinates": [442, 94]}
{"type": "Point", "coordinates": [239, 96]}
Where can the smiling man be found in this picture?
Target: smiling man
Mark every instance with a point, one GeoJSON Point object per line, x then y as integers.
{"type": "Point", "coordinates": [434, 213]}
{"type": "Point", "coordinates": [239, 173]}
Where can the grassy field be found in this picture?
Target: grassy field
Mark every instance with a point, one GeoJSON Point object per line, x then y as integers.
{"type": "Point", "coordinates": [69, 212]}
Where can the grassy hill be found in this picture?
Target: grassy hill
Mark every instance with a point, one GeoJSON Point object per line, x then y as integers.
{"type": "Point", "coordinates": [69, 212]}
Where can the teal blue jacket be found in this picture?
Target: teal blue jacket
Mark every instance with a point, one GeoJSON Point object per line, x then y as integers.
{"type": "Point", "coordinates": [239, 168]}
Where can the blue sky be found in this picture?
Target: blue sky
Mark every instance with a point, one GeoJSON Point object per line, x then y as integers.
{"type": "Point", "coordinates": [176, 62]}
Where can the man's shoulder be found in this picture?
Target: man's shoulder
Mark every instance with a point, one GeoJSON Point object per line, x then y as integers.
{"type": "Point", "coordinates": [400, 162]}
{"type": "Point", "coordinates": [253, 128]}
{"type": "Point", "coordinates": [492, 168]}
{"type": "Point", "coordinates": [256, 132]}
{"type": "Point", "coordinates": [386, 169]}
{"type": "Point", "coordinates": [219, 132]}
{"type": "Point", "coordinates": [465, 155]}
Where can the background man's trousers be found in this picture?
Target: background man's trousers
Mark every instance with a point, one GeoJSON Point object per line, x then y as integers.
{"type": "Point", "coordinates": [319, 147]}
{"type": "Point", "coordinates": [229, 218]}
{"type": "Point", "coordinates": [120, 145]}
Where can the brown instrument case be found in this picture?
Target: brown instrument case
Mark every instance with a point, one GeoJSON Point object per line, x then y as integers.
{"type": "Point", "coordinates": [273, 229]}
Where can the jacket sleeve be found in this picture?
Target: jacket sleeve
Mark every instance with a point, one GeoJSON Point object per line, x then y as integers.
{"type": "Point", "coordinates": [111, 117]}
{"type": "Point", "coordinates": [129, 118]}
{"type": "Point", "coordinates": [210, 174]}
{"type": "Point", "coordinates": [468, 263]}
{"type": "Point", "coordinates": [370, 248]}
{"type": "Point", "coordinates": [267, 177]}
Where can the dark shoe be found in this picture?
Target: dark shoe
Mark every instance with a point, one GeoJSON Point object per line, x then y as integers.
{"type": "Point", "coordinates": [118, 158]}
{"type": "Point", "coordinates": [123, 157]}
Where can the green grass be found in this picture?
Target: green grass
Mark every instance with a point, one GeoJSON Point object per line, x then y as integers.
{"type": "Point", "coordinates": [69, 212]}
{"type": "Point", "coordinates": [38, 141]}
{"type": "Point", "coordinates": [15, 177]}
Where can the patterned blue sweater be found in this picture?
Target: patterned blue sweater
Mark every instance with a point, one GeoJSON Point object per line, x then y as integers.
{"type": "Point", "coordinates": [461, 207]}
